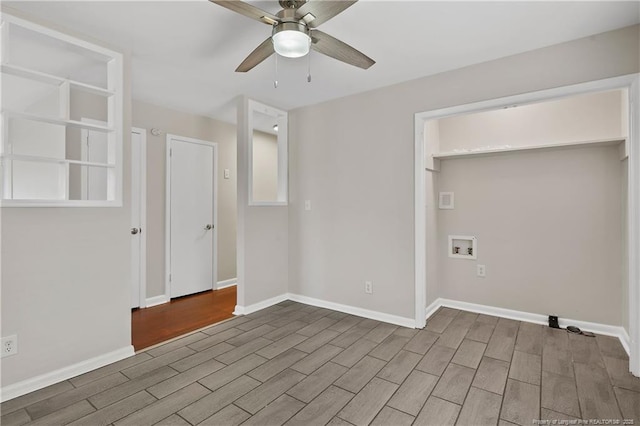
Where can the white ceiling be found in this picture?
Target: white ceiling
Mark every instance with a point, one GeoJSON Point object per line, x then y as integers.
{"type": "Point", "coordinates": [185, 52]}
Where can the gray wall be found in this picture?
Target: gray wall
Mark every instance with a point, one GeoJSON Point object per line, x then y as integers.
{"type": "Point", "coordinates": [265, 166]}
{"type": "Point", "coordinates": [587, 117]}
{"type": "Point", "coordinates": [358, 171]}
{"type": "Point", "coordinates": [148, 116]}
{"type": "Point", "coordinates": [263, 238]}
{"type": "Point", "coordinates": [549, 232]}
{"type": "Point", "coordinates": [65, 278]}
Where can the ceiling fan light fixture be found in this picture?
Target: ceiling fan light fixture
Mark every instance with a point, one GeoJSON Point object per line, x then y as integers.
{"type": "Point", "coordinates": [291, 39]}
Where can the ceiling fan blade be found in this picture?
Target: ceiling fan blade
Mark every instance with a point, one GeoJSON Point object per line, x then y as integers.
{"type": "Point", "coordinates": [322, 10]}
{"type": "Point", "coordinates": [248, 10]}
{"type": "Point", "coordinates": [330, 46]}
{"type": "Point", "coordinates": [260, 53]}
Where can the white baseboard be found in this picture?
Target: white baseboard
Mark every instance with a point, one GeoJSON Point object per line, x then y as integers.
{"type": "Point", "coordinates": [246, 310]}
{"type": "Point", "coordinates": [21, 388]}
{"type": "Point", "coordinates": [157, 300]}
{"type": "Point", "coordinates": [625, 340]}
{"type": "Point", "coordinates": [365, 313]}
{"type": "Point", "coordinates": [607, 330]}
{"type": "Point", "coordinates": [226, 283]}
{"type": "Point", "coordinates": [353, 310]}
{"type": "Point", "coordinates": [163, 298]}
{"type": "Point", "coordinates": [432, 308]}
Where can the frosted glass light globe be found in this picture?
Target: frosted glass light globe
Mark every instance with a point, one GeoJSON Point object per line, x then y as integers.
{"type": "Point", "coordinates": [291, 43]}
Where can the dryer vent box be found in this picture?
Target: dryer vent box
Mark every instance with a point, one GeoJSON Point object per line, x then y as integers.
{"type": "Point", "coordinates": [445, 200]}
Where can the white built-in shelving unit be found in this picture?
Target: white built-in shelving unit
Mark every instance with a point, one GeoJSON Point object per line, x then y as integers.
{"type": "Point", "coordinates": [61, 110]}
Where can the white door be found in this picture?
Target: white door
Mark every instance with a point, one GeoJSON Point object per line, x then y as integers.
{"type": "Point", "coordinates": [138, 218]}
{"type": "Point", "coordinates": [191, 215]}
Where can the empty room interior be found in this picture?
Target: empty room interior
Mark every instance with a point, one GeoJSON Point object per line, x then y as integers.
{"type": "Point", "coordinates": [386, 213]}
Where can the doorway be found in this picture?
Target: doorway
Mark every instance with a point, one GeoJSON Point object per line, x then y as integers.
{"type": "Point", "coordinates": [191, 209]}
{"type": "Point", "coordinates": [190, 300]}
{"type": "Point", "coordinates": [427, 294]}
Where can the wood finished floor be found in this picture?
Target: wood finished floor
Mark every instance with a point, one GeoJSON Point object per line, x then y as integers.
{"type": "Point", "coordinates": [303, 365]}
{"type": "Point", "coordinates": [157, 324]}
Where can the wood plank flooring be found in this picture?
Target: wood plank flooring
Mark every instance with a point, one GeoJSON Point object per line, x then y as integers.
{"type": "Point", "coordinates": [301, 365]}
{"type": "Point", "coordinates": [157, 324]}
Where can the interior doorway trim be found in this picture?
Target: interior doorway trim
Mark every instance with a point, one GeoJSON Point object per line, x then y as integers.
{"type": "Point", "coordinates": [629, 82]}
{"type": "Point", "coordinates": [142, 196]}
{"type": "Point", "coordinates": [167, 240]}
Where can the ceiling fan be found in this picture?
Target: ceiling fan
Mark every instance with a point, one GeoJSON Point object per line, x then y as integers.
{"type": "Point", "coordinates": [294, 31]}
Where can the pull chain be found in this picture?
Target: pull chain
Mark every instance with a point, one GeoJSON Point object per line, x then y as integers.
{"type": "Point", "coordinates": [309, 68]}
{"type": "Point", "coordinates": [275, 79]}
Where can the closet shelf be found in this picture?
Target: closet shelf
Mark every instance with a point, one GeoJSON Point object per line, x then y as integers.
{"type": "Point", "coordinates": [513, 149]}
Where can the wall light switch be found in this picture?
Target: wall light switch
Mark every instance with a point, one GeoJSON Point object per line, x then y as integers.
{"type": "Point", "coordinates": [227, 174]}
{"type": "Point", "coordinates": [307, 204]}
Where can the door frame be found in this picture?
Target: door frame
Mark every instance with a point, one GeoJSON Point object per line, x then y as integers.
{"type": "Point", "coordinates": [167, 240]}
{"type": "Point", "coordinates": [630, 82]}
{"type": "Point", "coordinates": [142, 195]}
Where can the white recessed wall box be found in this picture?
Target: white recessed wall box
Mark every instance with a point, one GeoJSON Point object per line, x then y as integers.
{"type": "Point", "coordinates": [463, 247]}
{"type": "Point", "coordinates": [445, 200]}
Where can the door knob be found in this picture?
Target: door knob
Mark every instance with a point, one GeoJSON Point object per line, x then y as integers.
{"type": "Point", "coordinates": [208, 226]}
{"type": "Point", "coordinates": [134, 231]}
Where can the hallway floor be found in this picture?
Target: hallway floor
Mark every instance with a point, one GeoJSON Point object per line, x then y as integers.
{"type": "Point", "coordinates": [157, 324]}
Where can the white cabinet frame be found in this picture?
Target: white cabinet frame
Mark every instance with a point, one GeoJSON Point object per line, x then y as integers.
{"type": "Point", "coordinates": [114, 128]}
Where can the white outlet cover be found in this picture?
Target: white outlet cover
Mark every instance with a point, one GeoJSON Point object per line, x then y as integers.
{"type": "Point", "coordinates": [481, 271]}
{"type": "Point", "coordinates": [307, 204]}
{"type": "Point", "coordinates": [14, 348]}
{"type": "Point", "coordinates": [227, 173]}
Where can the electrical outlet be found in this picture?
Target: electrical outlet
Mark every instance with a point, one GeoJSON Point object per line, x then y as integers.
{"type": "Point", "coordinates": [481, 271]}
{"type": "Point", "coordinates": [368, 287]}
{"type": "Point", "coordinates": [227, 173]}
{"type": "Point", "coordinates": [307, 204]}
{"type": "Point", "coordinates": [9, 345]}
